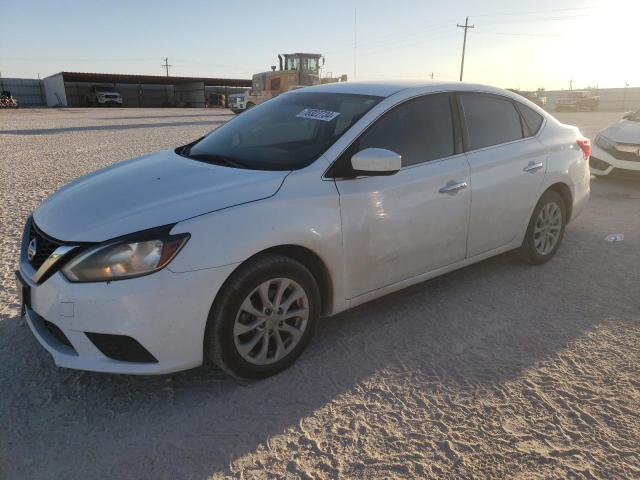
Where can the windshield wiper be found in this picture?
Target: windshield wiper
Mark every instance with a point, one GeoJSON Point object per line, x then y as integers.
{"type": "Point", "coordinates": [216, 160]}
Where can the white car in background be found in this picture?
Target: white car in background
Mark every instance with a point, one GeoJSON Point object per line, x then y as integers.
{"type": "Point", "coordinates": [238, 102]}
{"type": "Point", "coordinates": [228, 249]}
{"type": "Point", "coordinates": [104, 97]}
{"type": "Point", "coordinates": [616, 149]}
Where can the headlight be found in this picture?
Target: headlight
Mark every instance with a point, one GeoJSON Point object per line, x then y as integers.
{"type": "Point", "coordinates": [605, 143]}
{"type": "Point", "coordinates": [123, 259]}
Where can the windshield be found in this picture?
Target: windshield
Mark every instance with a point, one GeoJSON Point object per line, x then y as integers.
{"type": "Point", "coordinates": [106, 91]}
{"type": "Point", "coordinates": [285, 133]}
{"type": "Point", "coordinates": [312, 65]}
{"type": "Point", "coordinates": [293, 63]}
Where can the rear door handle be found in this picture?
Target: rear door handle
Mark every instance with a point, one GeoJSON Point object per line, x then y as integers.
{"type": "Point", "coordinates": [452, 187]}
{"type": "Point", "coordinates": [533, 167]}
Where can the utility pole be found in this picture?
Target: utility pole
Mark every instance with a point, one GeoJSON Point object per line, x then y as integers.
{"type": "Point", "coordinates": [355, 43]}
{"type": "Point", "coordinates": [166, 65]}
{"type": "Point", "coordinates": [624, 97]}
{"type": "Point", "coordinates": [466, 27]}
{"type": "Point", "coordinates": [431, 75]}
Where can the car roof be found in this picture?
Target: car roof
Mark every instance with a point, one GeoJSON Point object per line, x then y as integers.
{"type": "Point", "coordinates": [388, 88]}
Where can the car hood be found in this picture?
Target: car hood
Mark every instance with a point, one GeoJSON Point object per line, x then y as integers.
{"type": "Point", "coordinates": [625, 131]}
{"type": "Point", "coordinates": [153, 190]}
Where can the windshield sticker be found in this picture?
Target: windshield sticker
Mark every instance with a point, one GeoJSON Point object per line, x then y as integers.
{"type": "Point", "coordinates": [322, 115]}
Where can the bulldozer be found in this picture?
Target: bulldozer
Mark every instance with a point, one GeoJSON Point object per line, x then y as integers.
{"type": "Point", "coordinates": [294, 70]}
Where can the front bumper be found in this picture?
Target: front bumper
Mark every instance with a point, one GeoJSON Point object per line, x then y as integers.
{"type": "Point", "coordinates": [602, 163]}
{"type": "Point", "coordinates": [165, 313]}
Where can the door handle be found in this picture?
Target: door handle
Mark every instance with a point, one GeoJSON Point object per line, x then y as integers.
{"type": "Point", "coordinates": [452, 187]}
{"type": "Point", "coordinates": [533, 167]}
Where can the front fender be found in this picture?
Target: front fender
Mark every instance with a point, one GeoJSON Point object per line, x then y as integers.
{"type": "Point", "coordinates": [305, 212]}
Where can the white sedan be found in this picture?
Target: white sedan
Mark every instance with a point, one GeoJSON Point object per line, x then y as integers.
{"type": "Point", "coordinates": [228, 249]}
{"type": "Point", "coordinates": [616, 150]}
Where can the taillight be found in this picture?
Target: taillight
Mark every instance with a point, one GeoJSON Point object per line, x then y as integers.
{"type": "Point", "coordinates": [585, 146]}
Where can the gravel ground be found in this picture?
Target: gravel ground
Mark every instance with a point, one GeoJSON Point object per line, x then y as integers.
{"type": "Point", "coordinates": [497, 370]}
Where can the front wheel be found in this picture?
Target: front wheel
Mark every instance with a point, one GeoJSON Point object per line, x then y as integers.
{"type": "Point", "coordinates": [546, 229]}
{"type": "Point", "coordinates": [263, 318]}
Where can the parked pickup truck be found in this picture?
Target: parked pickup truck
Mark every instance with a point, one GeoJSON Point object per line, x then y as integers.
{"type": "Point", "coordinates": [577, 100]}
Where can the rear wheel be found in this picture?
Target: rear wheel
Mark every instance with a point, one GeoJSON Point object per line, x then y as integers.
{"type": "Point", "coordinates": [546, 229]}
{"type": "Point", "coordinates": [250, 105]}
{"type": "Point", "coordinates": [263, 318]}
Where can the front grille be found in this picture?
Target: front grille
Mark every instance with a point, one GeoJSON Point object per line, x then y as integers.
{"type": "Point", "coordinates": [629, 156]}
{"type": "Point", "coordinates": [44, 246]}
{"type": "Point", "coordinates": [121, 347]}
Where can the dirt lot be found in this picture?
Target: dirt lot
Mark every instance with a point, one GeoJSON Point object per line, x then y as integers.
{"type": "Point", "coordinates": [497, 370]}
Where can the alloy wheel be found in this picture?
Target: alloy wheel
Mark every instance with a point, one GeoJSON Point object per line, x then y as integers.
{"type": "Point", "coordinates": [546, 231]}
{"type": "Point", "coordinates": [271, 321]}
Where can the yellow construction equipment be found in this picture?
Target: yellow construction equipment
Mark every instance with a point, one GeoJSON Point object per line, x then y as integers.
{"type": "Point", "coordinates": [294, 70]}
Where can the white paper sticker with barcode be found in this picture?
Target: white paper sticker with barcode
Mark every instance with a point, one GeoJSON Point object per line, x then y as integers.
{"type": "Point", "coordinates": [314, 114]}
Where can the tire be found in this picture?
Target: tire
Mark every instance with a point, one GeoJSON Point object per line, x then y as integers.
{"type": "Point", "coordinates": [230, 326]}
{"type": "Point", "coordinates": [535, 249]}
{"type": "Point", "coordinates": [250, 105]}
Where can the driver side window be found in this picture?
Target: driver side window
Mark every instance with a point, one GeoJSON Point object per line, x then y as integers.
{"type": "Point", "coordinates": [420, 130]}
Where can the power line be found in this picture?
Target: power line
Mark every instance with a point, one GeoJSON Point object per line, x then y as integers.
{"type": "Point", "coordinates": [166, 65]}
{"type": "Point", "coordinates": [539, 19]}
{"type": "Point", "coordinates": [392, 46]}
{"type": "Point", "coordinates": [511, 14]}
{"type": "Point", "coordinates": [58, 59]}
{"type": "Point", "coordinates": [466, 27]}
{"type": "Point", "coordinates": [520, 34]}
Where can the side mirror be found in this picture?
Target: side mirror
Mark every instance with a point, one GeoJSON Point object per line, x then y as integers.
{"type": "Point", "coordinates": [376, 161]}
{"type": "Point", "coordinates": [627, 115]}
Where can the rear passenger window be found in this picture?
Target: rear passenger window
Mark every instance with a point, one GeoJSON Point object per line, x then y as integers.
{"type": "Point", "coordinates": [532, 119]}
{"type": "Point", "coordinates": [420, 130]}
{"type": "Point", "coordinates": [490, 120]}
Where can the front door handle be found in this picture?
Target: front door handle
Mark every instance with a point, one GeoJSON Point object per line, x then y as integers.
{"type": "Point", "coordinates": [533, 167]}
{"type": "Point", "coordinates": [452, 187]}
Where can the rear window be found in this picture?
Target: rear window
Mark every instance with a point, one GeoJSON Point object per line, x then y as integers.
{"type": "Point", "coordinates": [490, 120]}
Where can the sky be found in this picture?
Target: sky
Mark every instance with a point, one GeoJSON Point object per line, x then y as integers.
{"type": "Point", "coordinates": [523, 44]}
